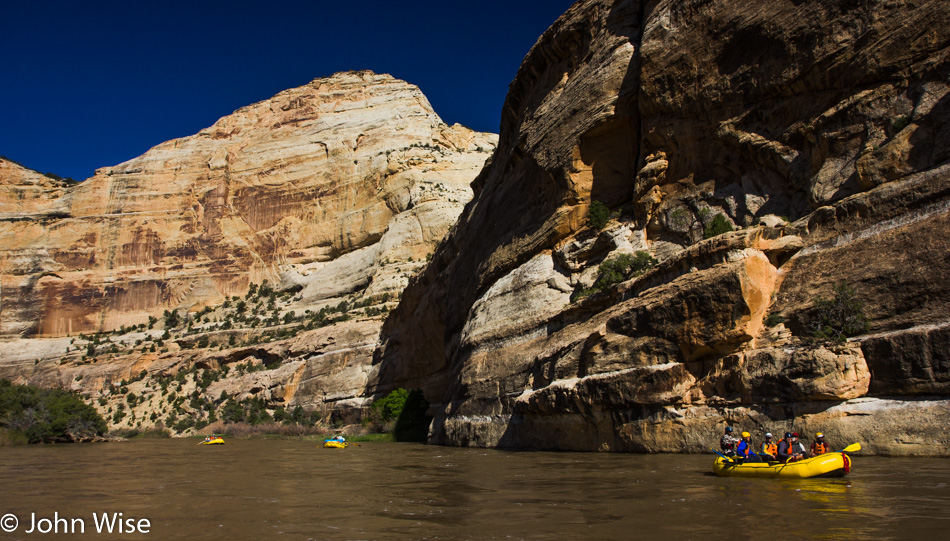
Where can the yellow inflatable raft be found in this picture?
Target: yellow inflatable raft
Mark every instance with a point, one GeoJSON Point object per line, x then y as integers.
{"type": "Point", "coordinates": [334, 444]}
{"type": "Point", "coordinates": [216, 440]}
{"type": "Point", "coordinates": [835, 464]}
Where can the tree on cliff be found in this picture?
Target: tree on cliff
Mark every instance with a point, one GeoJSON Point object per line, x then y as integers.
{"type": "Point", "coordinates": [598, 215]}
{"type": "Point", "coordinates": [841, 317]}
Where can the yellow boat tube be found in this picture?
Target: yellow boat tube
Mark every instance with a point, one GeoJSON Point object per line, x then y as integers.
{"type": "Point", "coordinates": [217, 440]}
{"type": "Point", "coordinates": [836, 464]}
{"type": "Point", "coordinates": [334, 444]}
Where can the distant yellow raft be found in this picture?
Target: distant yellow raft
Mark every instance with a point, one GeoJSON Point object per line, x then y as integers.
{"type": "Point", "coordinates": [836, 464]}
{"type": "Point", "coordinates": [217, 440]}
{"type": "Point", "coordinates": [334, 444]}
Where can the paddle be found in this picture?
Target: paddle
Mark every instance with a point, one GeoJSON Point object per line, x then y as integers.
{"type": "Point", "coordinates": [723, 456]}
{"type": "Point", "coordinates": [853, 448]}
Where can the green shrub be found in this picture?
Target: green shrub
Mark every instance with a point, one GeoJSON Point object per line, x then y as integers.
{"type": "Point", "coordinates": [720, 224]}
{"type": "Point", "coordinates": [837, 319]}
{"type": "Point", "coordinates": [47, 415]}
{"type": "Point", "coordinates": [678, 218]}
{"type": "Point", "coordinates": [623, 267]}
{"type": "Point", "coordinates": [250, 410]}
{"type": "Point", "coordinates": [390, 406]}
{"type": "Point", "coordinates": [598, 215]}
{"type": "Point", "coordinates": [901, 122]}
{"type": "Point", "coordinates": [612, 271]}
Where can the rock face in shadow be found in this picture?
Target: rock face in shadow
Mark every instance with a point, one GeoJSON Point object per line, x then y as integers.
{"type": "Point", "coordinates": [818, 132]}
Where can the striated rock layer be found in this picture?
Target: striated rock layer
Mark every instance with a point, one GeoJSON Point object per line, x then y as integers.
{"type": "Point", "coordinates": [357, 162]}
{"type": "Point", "coordinates": [819, 131]}
{"type": "Point", "coordinates": [334, 193]}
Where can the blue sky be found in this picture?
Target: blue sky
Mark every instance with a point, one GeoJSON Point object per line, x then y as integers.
{"type": "Point", "coordinates": [89, 84]}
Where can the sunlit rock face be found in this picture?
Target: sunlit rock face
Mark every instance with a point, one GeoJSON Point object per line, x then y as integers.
{"type": "Point", "coordinates": [278, 191]}
{"type": "Point", "coordinates": [335, 192]}
{"type": "Point", "coordinates": [819, 132]}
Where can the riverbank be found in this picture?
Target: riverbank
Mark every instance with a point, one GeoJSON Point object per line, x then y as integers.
{"type": "Point", "coordinates": [263, 431]}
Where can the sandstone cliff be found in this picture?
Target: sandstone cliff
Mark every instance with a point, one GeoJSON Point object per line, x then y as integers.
{"type": "Point", "coordinates": [330, 196]}
{"type": "Point", "coordinates": [281, 187]}
{"type": "Point", "coordinates": [819, 132]}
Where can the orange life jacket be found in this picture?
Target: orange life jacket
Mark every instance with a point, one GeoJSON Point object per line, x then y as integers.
{"type": "Point", "coordinates": [770, 448]}
{"type": "Point", "coordinates": [819, 448]}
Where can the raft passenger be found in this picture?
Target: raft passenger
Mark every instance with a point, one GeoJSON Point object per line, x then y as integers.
{"type": "Point", "coordinates": [728, 442]}
{"type": "Point", "coordinates": [744, 449]}
{"type": "Point", "coordinates": [819, 446]}
{"type": "Point", "coordinates": [790, 449]}
{"type": "Point", "coordinates": [769, 448]}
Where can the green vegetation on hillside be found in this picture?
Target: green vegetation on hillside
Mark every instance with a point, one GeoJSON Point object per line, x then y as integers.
{"type": "Point", "coordinates": [259, 317]}
{"type": "Point", "coordinates": [180, 402]}
{"type": "Point", "coordinates": [618, 269]}
{"type": "Point", "coordinates": [720, 224]}
{"type": "Point", "coordinates": [47, 415]}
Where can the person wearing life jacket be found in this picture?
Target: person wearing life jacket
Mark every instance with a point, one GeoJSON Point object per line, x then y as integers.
{"type": "Point", "coordinates": [769, 448]}
{"type": "Point", "coordinates": [744, 449]}
{"type": "Point", "coordinates": [819, 446]}
{"type": "Point", "coordinates": [728, 442]}
{"type": "Point", "coordinates": [790, 449]}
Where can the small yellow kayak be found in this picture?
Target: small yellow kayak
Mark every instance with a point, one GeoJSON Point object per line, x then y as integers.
{"type": "Point", "coordinates": [217, 440]}
{"type": "Point", "coordinates": [835, 464]}
{"type": "Point", "coordinates": [334, 444]}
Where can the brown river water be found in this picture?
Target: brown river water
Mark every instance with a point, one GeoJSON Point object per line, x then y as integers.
{"type": "Point", "coordinates": [266, 489]}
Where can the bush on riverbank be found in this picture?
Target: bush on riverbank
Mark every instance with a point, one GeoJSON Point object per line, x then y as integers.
{"type": "Point", "coordinates": [154, 432]}
{"type": "Point", "coordinates": [401, 413]}
{"type": "Point", "coordinates": [263, 430]}
{"type": "Point", "coordinates": [372, 437]}
{"type": "Point", "coordinates": [47, 415]}
{"type": "Point", "coordinates": [10, 437]}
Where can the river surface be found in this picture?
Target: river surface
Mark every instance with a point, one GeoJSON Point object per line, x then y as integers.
{"type": "Point", "coordinates": [266, 489]}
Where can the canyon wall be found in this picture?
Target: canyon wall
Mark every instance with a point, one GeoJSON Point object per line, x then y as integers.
{"type": "Point", "coordinates": [275, 191]}
{"type": "Point", "coordinates": [329, 196]}
{"type": "Point", "coordinates": [757, 157]}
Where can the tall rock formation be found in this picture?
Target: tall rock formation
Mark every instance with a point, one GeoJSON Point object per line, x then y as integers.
{"type": "Point", "coordinates": [328, 196]}
{"type": "Point", "coordinates": [284, 186]}
{"type": "Point", "coordinates": [818, 132]}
